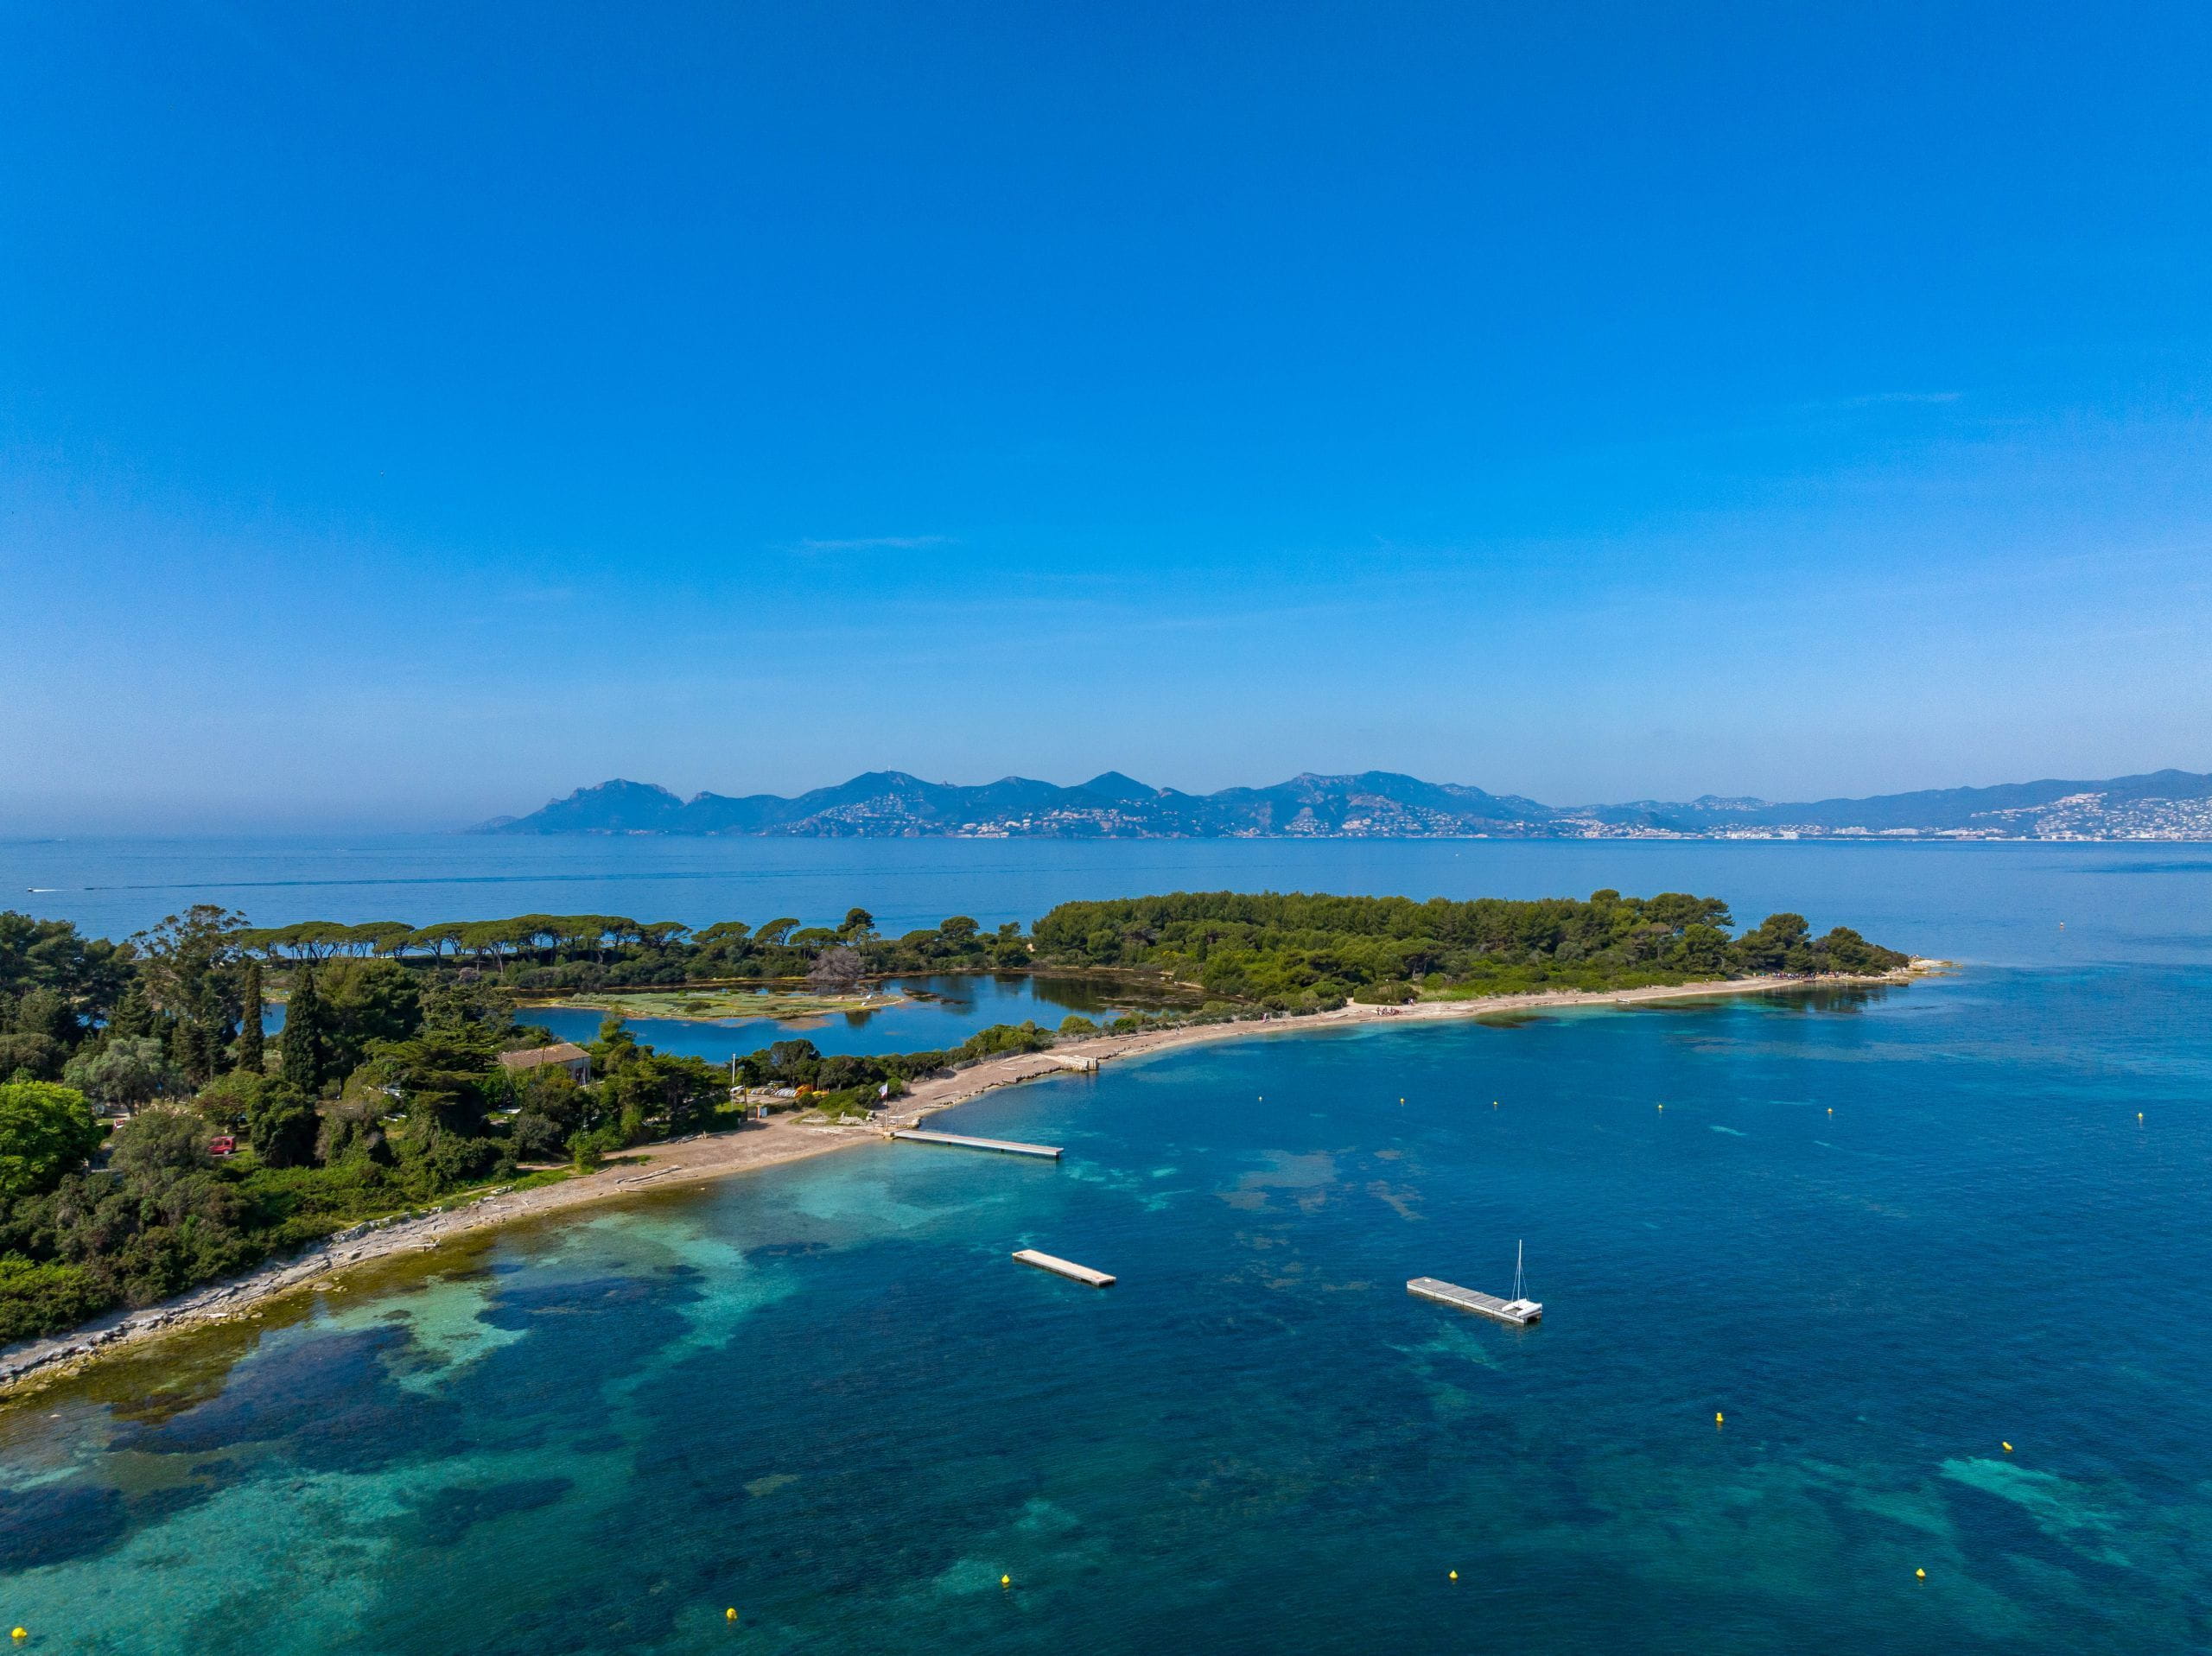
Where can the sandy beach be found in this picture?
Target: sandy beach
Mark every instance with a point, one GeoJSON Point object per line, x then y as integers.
{"type": "Point", "coordinates": [781, 1140]}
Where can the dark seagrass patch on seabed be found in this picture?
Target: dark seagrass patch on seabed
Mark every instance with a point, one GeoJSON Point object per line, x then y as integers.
{"type": "Point", "coordinates": [443, 1516]}
{"type": "Point", "coordinates": [54, 1523]}
{"type": "Point", "coordinates": [331, 1400]}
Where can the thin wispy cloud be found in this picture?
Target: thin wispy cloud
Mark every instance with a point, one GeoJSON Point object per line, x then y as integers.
{"type": "Point", "coordinates": [876, 542]}
{"type": "Point", "coordinates": [1892, 399]}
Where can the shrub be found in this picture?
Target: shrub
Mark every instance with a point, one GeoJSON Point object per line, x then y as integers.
{"type": "Point", "coordinates": [1002, 1038]}
{"type": "Point", "coordinates": [632, 974]}
{"type": "Point", "coordinates": [161, 1141]}
{"type": "Point", "coordinates": [536, 1137]}
{"type": "Point", "coordinates": [231, 1099]}
{"type": "Point", "coordinates": [41, 1299]}
{"type": "Point", "coordinates": [434, 1162]}
{"type": "Point", "coordinates": [590, 1150]}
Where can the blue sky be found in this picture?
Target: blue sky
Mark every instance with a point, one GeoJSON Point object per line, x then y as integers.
{"type": "Point", "coordinates": [411, 412]}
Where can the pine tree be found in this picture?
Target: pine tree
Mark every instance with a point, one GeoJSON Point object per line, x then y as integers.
{"type": "Point", "coordinates": [134, 1015]}
{"type": "Point", "coordinates": [305, 1041]}
{"type": "Point", "coordinates": [252, 1045]}
{"type": "Point", "coordinates": [197, 1051]}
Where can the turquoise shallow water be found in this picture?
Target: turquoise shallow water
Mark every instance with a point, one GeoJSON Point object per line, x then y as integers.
{"type": "Point", "coordinates": [825, 1396]}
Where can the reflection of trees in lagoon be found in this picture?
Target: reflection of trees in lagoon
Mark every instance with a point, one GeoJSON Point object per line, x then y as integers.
{"type": "Point", "coordinates": [931, 1012]}
{"type": "Point", "coordinates": [977, 999]}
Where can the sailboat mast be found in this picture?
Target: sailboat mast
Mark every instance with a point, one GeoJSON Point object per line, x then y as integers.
{"type": "Point", "coordinates": [1518, 1249]}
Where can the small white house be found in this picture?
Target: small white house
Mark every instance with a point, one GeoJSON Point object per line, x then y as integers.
{"type": "Point", "coordinates": [570, 1056]}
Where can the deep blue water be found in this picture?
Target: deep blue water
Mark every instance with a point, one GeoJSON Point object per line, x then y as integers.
{"type": "Point", "coordinates": [2001, 903]}
{"type": "Point", "coordinates": [1884, 1234]}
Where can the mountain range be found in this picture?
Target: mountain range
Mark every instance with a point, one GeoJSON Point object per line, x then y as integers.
{"type": "Point", "coordinates": [1375, 804]}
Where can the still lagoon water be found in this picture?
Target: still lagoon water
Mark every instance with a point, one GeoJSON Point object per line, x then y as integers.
{"type": "Point", "coordinates": [1885, 1235]}
{"type": "Point", "coordinates": [934, 1014]}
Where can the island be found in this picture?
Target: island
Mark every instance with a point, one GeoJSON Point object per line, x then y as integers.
{"type": "Point", "coordinates": [154, 1140]}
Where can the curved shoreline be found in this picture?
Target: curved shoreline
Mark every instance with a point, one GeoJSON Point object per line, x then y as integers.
{"type": "Point", "coordinates": [35, 1364]}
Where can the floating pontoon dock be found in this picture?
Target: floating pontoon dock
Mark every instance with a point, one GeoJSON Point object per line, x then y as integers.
{"type": "Point", "coordinates": [1008, 1146]}
{"type": "Point", "coordinates": [1067, 1268]}
{"type": "Point", "coordinates": [1519, 1312]}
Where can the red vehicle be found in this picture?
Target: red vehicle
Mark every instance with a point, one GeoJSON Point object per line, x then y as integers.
{"type": "Point", "coordinates": [225, 1145]}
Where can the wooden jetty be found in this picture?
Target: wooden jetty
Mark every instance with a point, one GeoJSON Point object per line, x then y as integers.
{"type": "Point", "coordinates": [1006, 1146]}
{"type": "Point", "coordinates": [1518, 1312]}
{"type": "Point", "coordinates": [1067, 1268]}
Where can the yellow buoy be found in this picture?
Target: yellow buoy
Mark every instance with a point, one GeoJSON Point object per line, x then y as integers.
{"type": "Point", "coordinates": [1922, 1574]}
{"type": "Point", "coordinates": [2138, 1115]}
{"type": "Point", "coordinates": [2008, 1448]}
{"type": "Point", "coordinates": [730, 1614]}
{"type": "Point", "coordinates": [1455, 1575]}
{"type": "Point", "coordinates": [1718, 1417]}
{"type": "Point", "coordinates": [1006, 1581]}
{"type": "Point", "coordinates": [1662, 1107]}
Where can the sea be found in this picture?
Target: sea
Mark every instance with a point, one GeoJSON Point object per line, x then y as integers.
{"type": "Point", "coordinates": [1875, 1321]}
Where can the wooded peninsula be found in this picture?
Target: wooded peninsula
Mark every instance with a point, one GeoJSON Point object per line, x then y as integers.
{"type": "Point", "coordinates": [153, 1137]}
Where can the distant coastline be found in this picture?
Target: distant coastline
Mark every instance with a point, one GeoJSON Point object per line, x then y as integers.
{"type": "Point", "coordinates": [2161, 806]}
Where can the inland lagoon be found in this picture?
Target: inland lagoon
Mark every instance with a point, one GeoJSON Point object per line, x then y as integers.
{"type": "Point", "coordinates": [918, 1014]}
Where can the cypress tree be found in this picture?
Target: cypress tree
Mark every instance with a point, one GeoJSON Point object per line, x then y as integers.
{"type": "Point", "coordinates": [305, 1041]}
{"type": "Point", "coordinates": [252, 1046]}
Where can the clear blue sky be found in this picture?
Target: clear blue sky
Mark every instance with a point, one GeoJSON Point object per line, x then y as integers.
{"type": "Point", "coordinates": [411, 412]}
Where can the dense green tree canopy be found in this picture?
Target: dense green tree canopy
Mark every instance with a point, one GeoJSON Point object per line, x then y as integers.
{"type": "Point", "coordinates": [124, 1072]}
{"type": "Point", "coordinates": [1297, 950]}
{"type": "Point", "coordinates": [366, 1002]}
{"type": "Point", "coordinates": [45, 1130]}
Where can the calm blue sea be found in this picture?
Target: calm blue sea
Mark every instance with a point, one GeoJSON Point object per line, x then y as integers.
{"type": "Point", "coordinates": [2002, 903]}
{"type": "Point", "coordinates": [1885, 1235]}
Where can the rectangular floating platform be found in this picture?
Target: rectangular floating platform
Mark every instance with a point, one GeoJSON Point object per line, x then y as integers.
{"type": "Point", "coordinates": [1007, 1146]}
{"type": "Point", "coordinates": [1067, 1268]}
{"type": "Point", "coordinates": [1518, 1312]}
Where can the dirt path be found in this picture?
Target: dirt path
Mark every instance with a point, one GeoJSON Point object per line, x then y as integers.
{"type": "Point", "coordinates": [784, 1139]}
